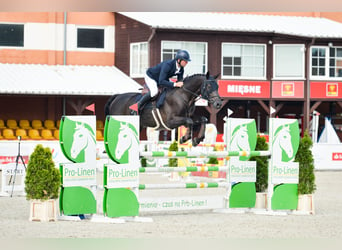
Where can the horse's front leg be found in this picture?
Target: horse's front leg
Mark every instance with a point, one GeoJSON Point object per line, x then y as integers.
{"type": "Point", "coordinates": [178, 121]}
{"type": "Point", "coordinates": [202, 121]}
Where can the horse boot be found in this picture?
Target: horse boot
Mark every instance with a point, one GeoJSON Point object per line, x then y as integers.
{"type": "Point", "coordinates": [137, 107]}
{"type": "Point", "coordinates": [143, 101]}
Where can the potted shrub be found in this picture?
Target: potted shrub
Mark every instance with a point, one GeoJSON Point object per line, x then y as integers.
{"type": "Point", "coordinates": [42, 183]}
{"type": "Point", "coordinates": [213, 161]}
{"type": "Point", "coordinates": [173, 162]}
{"type": "Point", "coordinates": [306, 182]}
{"type": "Point", "coordinates": [262, 173]}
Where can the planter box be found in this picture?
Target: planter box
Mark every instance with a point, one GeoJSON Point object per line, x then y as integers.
{"type": "Point", "coordinates": [261, 200]}
{"type": "Point", "coordinates": [306, 203]}
{"type": "Point", "coordinates": [43, 210]}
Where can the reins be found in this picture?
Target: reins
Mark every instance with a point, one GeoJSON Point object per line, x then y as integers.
{"type": "Point", "coordinates": [209, 99]}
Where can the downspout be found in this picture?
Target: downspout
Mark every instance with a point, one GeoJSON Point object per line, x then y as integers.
{"type": "Point", "coordinates": [148, 44]}
{"type": "Point", "coordinates": [306, 121]}
{"type": "Point", "coordinates": [65, 52]}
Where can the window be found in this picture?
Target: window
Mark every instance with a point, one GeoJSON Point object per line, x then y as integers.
{"type": "Point", "coordinates": [289, 61]}
{"type": "Point", "coordinates": [243, 60]}
{"type": "Point", "coordinates": [335, 62]}
{"type": "Point", "coordinates": [318, 61]}
{"type": "Point", "coordinates": [139, 59]}
{"type": "Point", "coordinates": [12, 35]}
{"type": "Point", "coordinates": [90, 38]}
{"type": "Point", "coordinates": [197, 51]}
{"type": "Point", "coordinates": [326, 62]}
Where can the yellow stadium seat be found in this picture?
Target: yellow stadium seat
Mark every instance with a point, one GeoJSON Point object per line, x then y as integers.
{"type": "Point", "coordinates": [1, 137]}
{"type": "Point", "coordinates": [2, 124]}
{"type": "Point", "coordinates": [12, 124]}
{"type": "Point", "coordinates": [99, 124]}
{"type": "Point", "coordinates": [56, 134]}
{"type": "Point", "coordinates": [47, 134]}
{"type": "Point", "coordinates": [9, 134]}
{"type": "Point", "coordinates": [22, 133]}
{"type": "Point", "coordinates": [99, 135]}
{"type": "Point", "coordinates": [49, 124]}
{"type": "Point", "coordinates": [25, 124]}
{"type": "Point", "coordinates": [34, 134]}
{"type": "Point", "coordinates": [37, 124]}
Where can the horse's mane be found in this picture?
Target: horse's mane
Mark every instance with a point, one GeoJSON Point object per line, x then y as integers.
{"type": "Point", "coordinates": [192, 76]}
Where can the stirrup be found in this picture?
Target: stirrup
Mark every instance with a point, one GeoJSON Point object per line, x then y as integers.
{"type": "Point", "coordinates": [133, 112]}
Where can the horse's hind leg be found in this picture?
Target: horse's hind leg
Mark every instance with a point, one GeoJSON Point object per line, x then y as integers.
{"type": "Point", "coordinates": [187, 136]}
{"type": "Point", "coordinates": [202, 121]}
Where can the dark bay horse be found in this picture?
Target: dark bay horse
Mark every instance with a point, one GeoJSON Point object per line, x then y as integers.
{"type": "Point", "coordinates": [178, 108]}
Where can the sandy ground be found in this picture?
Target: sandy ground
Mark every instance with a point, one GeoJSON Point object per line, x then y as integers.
{"type": "Point", "coordinates": [325, 224]}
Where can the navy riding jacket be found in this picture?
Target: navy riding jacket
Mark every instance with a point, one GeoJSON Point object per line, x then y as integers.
{"type": "Point", "coordinates": [162, 72]}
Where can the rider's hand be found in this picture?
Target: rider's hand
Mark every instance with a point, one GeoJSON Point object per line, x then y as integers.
{"type": "Point", "coordinates": [179, 84]}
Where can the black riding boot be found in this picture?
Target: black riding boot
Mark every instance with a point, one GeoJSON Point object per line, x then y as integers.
{"type": "Point", "coordinates": [143, 101]}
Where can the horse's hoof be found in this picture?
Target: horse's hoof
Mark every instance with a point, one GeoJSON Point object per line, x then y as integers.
{"type": "Point", "coordinates": [195, 142]}
{"type": "Point", "coordinates": [182, 140]}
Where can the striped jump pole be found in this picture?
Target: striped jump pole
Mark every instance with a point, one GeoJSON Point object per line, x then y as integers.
{"type": "Point", "coordinates": [205, 145]}
{"type": "Point", "coordinates": [183, 169]}
{"type": "Point", "coordinates": [184, 185]}
{"type": "Point", "coordinates": [179, 154]}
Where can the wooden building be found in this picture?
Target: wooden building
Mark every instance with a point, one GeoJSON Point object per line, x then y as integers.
{"type": "Point", "coordinates": [270, 66]}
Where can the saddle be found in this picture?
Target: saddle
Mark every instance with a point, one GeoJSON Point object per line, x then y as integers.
{"type": "Point", "coordinates": [158, 100]}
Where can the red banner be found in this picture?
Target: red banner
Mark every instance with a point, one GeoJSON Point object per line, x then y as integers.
{"type": "Point", "coordinates": [336, 156]}
{"type": "Point", "coordinates": [325, 90]}
{"type": "Point", "coordinates": [12, 159]}
{"type": "Point", "coordinates": [254, 89]}
{"type": "Point", "coordinates": [288, 89]}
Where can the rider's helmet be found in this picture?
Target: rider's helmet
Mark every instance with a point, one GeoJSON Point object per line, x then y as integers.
{"type": "Point", "coordinates": [183, 55]}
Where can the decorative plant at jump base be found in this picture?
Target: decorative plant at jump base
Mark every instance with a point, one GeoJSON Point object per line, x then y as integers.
{"type": "Point", "coordinates": [261, 165]}
{"type": "Point", "coordinates": [143, 160]}
{"type": "Point", "coordinates": [42, 183]}
{"type": "Point", "coordinates": [173, 162]}
{"type": "Point", "coordinates": [42, 179]}
{"type": "Point", "coordinates": [213, 160]}
{"type": "Point", "coordinates": [306, 183]}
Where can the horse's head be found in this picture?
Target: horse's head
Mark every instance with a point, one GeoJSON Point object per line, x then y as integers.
{"type": "Point", "coordinates": [80, 140]}
{"type": "Point", "coordinates": [285, 143]}
{"type": "Point", "coordinates": [240, 138]}
{"type": "Point", "coordinates": [209, 91]}
{"type": "Point", "coordinates": [126, 137]}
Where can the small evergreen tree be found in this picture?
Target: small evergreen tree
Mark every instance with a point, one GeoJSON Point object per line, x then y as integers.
{"type": "Point", "coordinates": [306, 183]}
{"type": "Point", "coordinates": [173, 162]}
{"type": "Point", "coordinates": [143, 160]}
{"type": "Point", "coordinates": [42, 179]}
{"type": "Point", "coordinates": [213, 160]}
{"type": "Point", "coordinates": [261, 165]}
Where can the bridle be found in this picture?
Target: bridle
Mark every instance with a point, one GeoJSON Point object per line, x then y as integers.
{"type": "Point", "coordinates": [204, 93]}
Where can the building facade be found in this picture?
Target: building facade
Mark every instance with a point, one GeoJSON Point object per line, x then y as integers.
{"type": "Point", "coordinates": [269, 65]}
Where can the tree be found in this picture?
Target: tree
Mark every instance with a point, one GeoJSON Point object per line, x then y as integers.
{"type": "Point", "coordinates": [261, 165]}
{"type": "Point", "coordinates": [173, 162]}
{"type": "Point", "coordinates": [306, 183]}
{"type": "Point", "coordinates": [42, 179]}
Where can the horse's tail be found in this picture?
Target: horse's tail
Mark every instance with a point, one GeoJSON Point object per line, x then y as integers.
{"type": "Point", "coordinates": [106, 109]}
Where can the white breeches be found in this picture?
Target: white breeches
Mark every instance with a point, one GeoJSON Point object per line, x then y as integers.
{"type": "Point", "coordinates": [152, 85]}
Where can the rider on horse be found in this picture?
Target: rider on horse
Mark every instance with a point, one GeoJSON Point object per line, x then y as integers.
{"type": "Point", "coordinates": [158, 76]}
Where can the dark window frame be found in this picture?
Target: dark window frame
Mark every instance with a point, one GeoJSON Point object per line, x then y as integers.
{"type": "Point", "coordinates": [90, 38]}
{"type": "Point", "coordinates": [11, 35]}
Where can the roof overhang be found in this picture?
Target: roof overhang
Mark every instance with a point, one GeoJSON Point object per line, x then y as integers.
{"type": "Point", "coordinates": [66, 80]}
{"type": "Point", "coordinates": [312, 27]}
